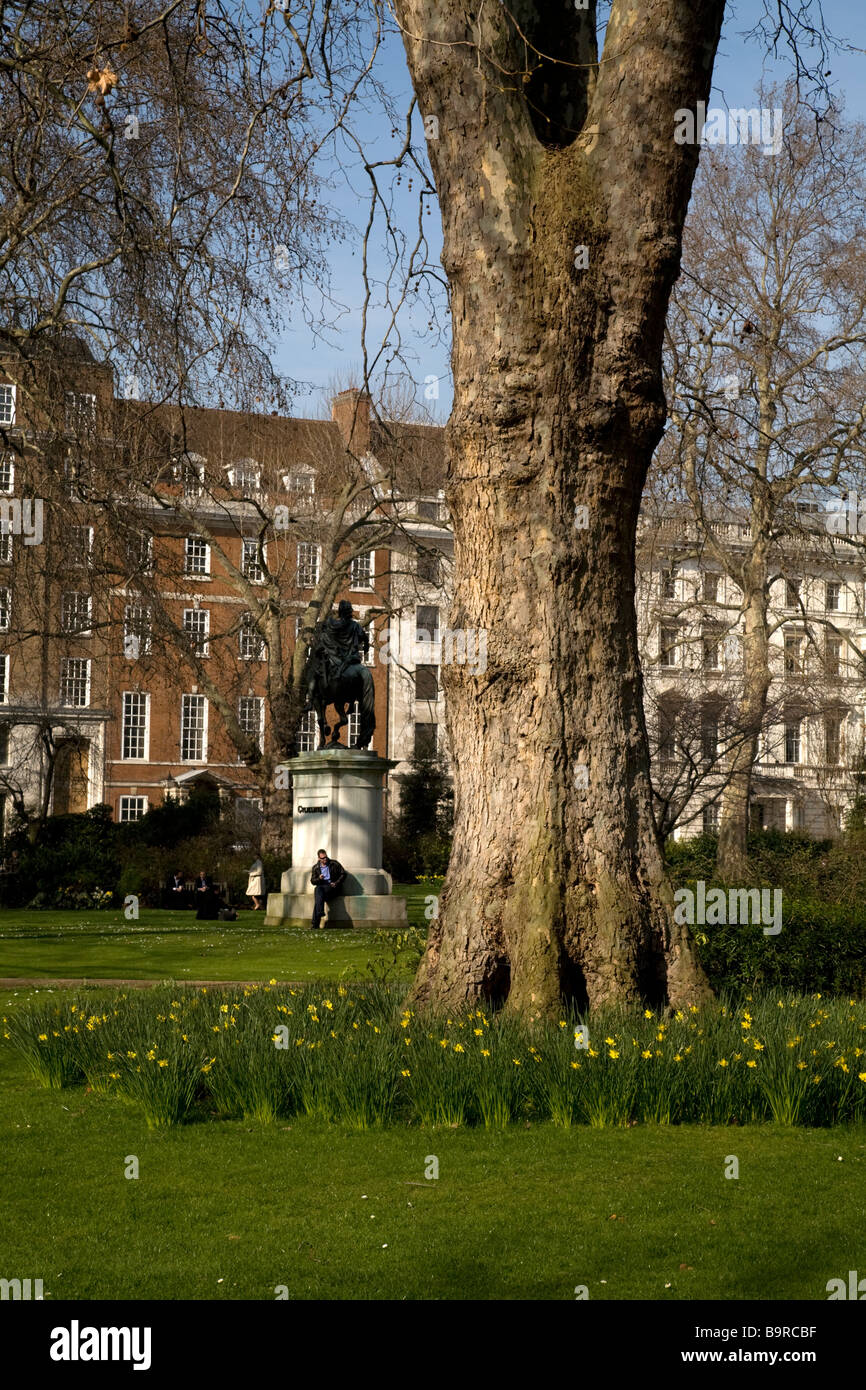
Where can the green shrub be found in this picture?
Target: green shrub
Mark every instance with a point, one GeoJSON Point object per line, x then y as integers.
{"type": "Point", "coordinates": [821, 947]}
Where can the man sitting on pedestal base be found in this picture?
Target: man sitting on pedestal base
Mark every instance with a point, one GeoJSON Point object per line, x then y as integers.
{"type": "Point", "coordinates": [327, 879]}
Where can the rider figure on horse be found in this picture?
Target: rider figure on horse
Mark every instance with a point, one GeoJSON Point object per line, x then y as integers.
{"type": "Point", "coordinates": [343, 640]}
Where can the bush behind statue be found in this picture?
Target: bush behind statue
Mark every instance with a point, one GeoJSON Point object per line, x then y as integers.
{"type": "Point", "coordinates": [87, 861]}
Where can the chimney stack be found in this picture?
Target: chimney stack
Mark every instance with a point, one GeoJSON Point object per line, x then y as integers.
{"type": "Point", "coordinates": [351, 411]}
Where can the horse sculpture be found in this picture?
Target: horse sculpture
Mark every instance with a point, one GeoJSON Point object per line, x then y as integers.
{"type": "Point", "coordinates": [337, 675]}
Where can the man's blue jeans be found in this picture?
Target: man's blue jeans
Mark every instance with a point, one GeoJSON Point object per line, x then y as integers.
{"type": "Point", "coordinates": [324, 893]}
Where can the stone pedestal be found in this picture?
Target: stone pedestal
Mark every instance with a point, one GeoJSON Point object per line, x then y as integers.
{"type": "Point", "coordinates": [337, 805]}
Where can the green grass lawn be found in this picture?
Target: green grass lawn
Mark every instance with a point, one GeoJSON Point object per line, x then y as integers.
{"type": "Point", "coordinates": [230, 1210]}
{"type": "Point", "coordinates": [173, 945]}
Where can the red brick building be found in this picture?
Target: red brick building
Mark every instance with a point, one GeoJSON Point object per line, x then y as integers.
{"type": "Point", "coordinates": [158, 613]}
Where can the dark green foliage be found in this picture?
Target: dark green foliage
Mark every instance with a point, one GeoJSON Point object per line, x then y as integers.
{"type": "Point", "coordinates": [822, 944]}
{"type": "Point", "coordinates": [419, 841]}
{"type": "Point", "coordinates": [88, 861]}
{"type": "Point", "coordinates": [821, 948]}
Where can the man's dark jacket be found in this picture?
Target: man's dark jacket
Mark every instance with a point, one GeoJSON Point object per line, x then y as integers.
{"type": "Point", "coordinates": [338, 873]}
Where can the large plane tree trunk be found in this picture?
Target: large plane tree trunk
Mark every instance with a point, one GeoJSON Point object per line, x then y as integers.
{"type": "Point", "coordinates": [560, 249]}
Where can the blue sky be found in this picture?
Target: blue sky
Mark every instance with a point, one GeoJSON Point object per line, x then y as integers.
{"type": "Point", "coordinates": [319, 360]}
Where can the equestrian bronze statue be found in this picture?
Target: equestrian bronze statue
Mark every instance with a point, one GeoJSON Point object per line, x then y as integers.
{"type": "Point", "coordinates": [336, 674]}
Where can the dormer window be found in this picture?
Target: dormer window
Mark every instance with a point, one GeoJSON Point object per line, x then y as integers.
{"type": "Point", "coordinates": [189, 472]}
{"type": "Point", "coordinates": [302, 484]}
{"type": "Point", "coordinates": [245, 476]}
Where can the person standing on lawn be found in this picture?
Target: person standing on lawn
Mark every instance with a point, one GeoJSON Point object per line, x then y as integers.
{"type": "Point", "coordinates": [327, 879]}
{"type": "Point", "coordinates": [256, 885]}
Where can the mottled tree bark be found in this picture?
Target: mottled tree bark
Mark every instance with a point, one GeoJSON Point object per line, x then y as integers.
{"type": "Point", "coordinates": [554, 889]}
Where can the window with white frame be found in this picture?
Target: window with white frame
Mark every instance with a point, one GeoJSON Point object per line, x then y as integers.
{"type": "Point", "coordinates": [75, 682]}
{"type": "Point", "coordinates": [196, 556]}
{"type": "Point", "coordinates": [832, 655]}
{"type": "Point", "coordinates": [428, 566]}
{"type": "Point", "coordinates": [252, 567]}
{"type": "Point", "coordinates": [80, 411]}
{"type": "Point", "coordinates": [668, 646]}
{"type": "Point", "coordinates": [710, 586]}
{"type": "Point", "coordinates": [307, 733]}
{"type": "Point", "coordinates": [7, 404]}
{"type": "Point", "coordinates": [369, 657]}
{"type": "Point", "coordinates": [131, 808]}
{"type": "Point", "coordinates": [354, 727]}
{"type": "Point", "coordinates": [78, 474]}
{"type": "Point", "coordinates": [4, 679]}
{"type": "Point", "coordinates": [793, 654]}
{"type": "Point", "coordinates": [710, 737]}
{"type": "Point", "coordinates": [139, 551]}
{"type": "Point", "coordinates": [793, 739]}
{"type": "Point", "coordinates": [710, 818]}
{"type": "Point", "coordinates": [251, 717]}
{"type": "Point", "coordinates": [7, 472]}
{"type": "Point", "coordinates": [250, 641]}
{"type": "Point", "coordinates": [76, 613]}
{"type": "Point", "coordinates": [137, 619]}
{"type": "Point", "coordinates": [309, 559]}
{"type": "Point", "coordinates": [303, 484]}
{"type": "Point", "coordinates": [79, 549]}
{"type": "Point", "coordinates": [135, 725]}
{"type": "Point", "coordinates": [246, 476]}
{"type": "Point", "coordinates": [668, 584]}
{"type": "Point", "coordinates": [426, 623]}
{"type": "Point", "coordinates": [832, 739]}
{"type": "Point", "coordinates": [668, 731]}
{"type": "Point", "coordinates": [832, 596]}
{"type": "Point", "coordinates": [5, 546]}
{"type": "Point", "coordinates": [361, 571]}
{"type": "Point", "coordinates": [5, 609]}
{"type": "Point", "coordinates": [711, 646]}
{"type": "Point", "coordinates": [196, 625]}
{"type": "Point", "coordinates": [189, 471]}
{"type": "Point", "coordinates": [792, 593]}
{"type": "Point", "coordinates": [193, 728]}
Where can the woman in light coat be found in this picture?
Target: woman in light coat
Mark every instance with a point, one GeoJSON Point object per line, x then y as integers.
{"type": "Point", "coordinates": [256, 884]}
